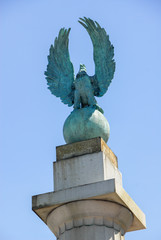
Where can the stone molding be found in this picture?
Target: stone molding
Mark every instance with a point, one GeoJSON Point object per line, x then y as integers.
{"type": "Point", "coordinates": [81, 148]}
{"type": "Point", "coordinates": [108, 190]}
{"type": "Point", "coordinates": [89, 213]}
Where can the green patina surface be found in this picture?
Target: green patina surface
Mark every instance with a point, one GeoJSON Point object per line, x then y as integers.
{"type": "Point", "coordinates": [80, 91]}
{"type": "Point", "coordinates": [85, 123]}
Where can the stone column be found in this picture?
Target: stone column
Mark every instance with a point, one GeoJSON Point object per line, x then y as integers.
{"type": "Point", "coordinates": [90, 219]}
{"type": "Point", "coordinates": [89, 201]}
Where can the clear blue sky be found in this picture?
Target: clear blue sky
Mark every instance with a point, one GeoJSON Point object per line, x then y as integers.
{"type": "Point", "coordinates": [32, 118]}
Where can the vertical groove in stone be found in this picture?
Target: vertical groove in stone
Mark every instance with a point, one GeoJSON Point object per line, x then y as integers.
{"type": "Point", "coordinates": [92, 232]}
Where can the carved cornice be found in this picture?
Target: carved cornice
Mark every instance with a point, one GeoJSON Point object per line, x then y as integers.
{"type": "Point", "coordinates": [88, 213]}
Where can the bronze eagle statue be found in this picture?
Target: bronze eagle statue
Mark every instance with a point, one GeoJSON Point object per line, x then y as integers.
{"type": "Point", "coordinates": [80, 90]}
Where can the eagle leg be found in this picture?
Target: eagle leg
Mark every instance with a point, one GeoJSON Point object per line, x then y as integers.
{"type": "Point", "coordinates": [77, 99]}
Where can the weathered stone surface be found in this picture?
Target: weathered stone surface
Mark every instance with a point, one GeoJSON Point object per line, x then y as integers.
{"type": "Point", "coordinates": [85, 169]}
{"type": "Point", "coordinates": [93, 232]}
{"type": "Point", "coordinates": [109, 190]}
{"type": "Point", "coordinates": [85, 147]}
{"type": "Point", "coordinates": [89, 213]}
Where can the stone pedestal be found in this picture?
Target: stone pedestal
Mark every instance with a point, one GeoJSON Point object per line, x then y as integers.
{"type": "Point", "coordinates": [89, 201]}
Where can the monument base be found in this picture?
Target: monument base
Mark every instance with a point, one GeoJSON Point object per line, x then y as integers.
{"type": "Point", "coordinates": [89, 201]}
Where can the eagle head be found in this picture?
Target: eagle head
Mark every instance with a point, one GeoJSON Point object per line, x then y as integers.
{"type": "Point", "coordinates": [82, 71]}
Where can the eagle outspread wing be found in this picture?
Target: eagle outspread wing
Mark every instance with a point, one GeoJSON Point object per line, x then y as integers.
{"type": "Point", "coordinates": [103, 53]}
{"type": "Point", "coordinates": [60, 73]}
